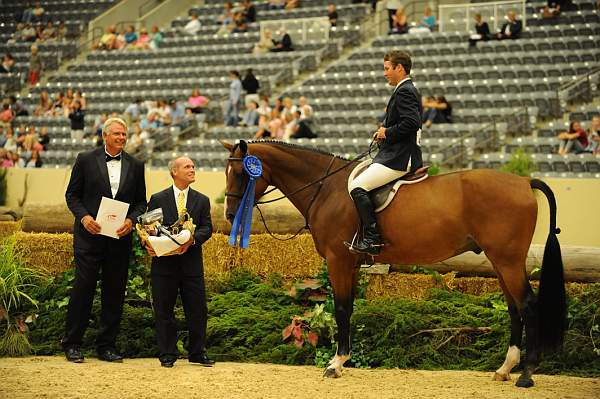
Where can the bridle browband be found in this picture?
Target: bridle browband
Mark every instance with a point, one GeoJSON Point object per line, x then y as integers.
{"type": "Point", "coordinates": [302, 188]}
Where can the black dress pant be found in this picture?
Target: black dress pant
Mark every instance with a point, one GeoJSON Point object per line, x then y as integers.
{"type": "Point", "coordinates": [165, 289]}
{"type": "Point", "coordinates": [111, 265]}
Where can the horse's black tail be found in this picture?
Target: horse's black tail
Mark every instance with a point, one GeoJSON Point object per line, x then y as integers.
{"type": "Point", "coordinates": [552, 304]}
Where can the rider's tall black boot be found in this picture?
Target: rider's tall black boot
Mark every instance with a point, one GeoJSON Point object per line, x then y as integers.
{"type": "Point", "coordinates": [371, 241]}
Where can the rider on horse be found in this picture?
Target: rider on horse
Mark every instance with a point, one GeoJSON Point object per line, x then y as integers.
{"type": "Point", "coordinates": [399, 148]}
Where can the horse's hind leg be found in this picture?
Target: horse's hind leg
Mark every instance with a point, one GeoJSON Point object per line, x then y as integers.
{"type": "Point", "coordinates": [523, 311]}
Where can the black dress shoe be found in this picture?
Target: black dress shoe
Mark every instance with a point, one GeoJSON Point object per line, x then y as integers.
{"type": "Point", "coordinates": [74, 355]}
{"type": "Point", "coordinates": [202, 359]}
{"type": "Point", "coordinates": [109, 355]}
{"type": "Point", "coordinates": [167, 363]}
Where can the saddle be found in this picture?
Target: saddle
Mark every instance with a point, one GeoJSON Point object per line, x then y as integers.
{"type": "Point", "coordinates": [383, 195]}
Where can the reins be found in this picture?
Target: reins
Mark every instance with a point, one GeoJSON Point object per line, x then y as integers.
{"type": "Point", "coordinates": [302, 188]}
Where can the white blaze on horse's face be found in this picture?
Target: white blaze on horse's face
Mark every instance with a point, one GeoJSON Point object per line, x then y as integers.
{"type": "Point", "coordinates": [228, 170]}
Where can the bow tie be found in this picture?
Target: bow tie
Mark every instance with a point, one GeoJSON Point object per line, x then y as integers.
{"type": "Point", "coordinates": [111, 158]}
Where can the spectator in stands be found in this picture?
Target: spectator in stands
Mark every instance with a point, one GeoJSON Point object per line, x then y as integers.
{"type": "Point", "coordinates": [5, 158]}
{"type": "Point", "coordinates": [35, 66]}
{"type": "Point", "coordinates": [77, 117]}
{"type": "Point", "coordinates": [511, 28]}
{"type": "Point", "coordinates": [272, 127]}
{"type": "Point", "coordinates": [6, 114]}
{"type": "Point", "coordinates": [283, 44]}
{"type": "Point", "coordinates": [57, 104]}
{"type": "Point", "coordinates": [276, 4]}
{"type": "Point", "coordinates": [251, 116]}
{"type": "Point", "coordinates": [594, 135]}
{"type": "Point", "coordinates": [576, 138]}
{"type": "Point", "coordinates": [399, 22]}
{"type": "Point", "coordinates": [97, 128]}
{"type": "Point", "coordinates": [436, 110]}
{"type": "Point", "coordinates": [428, 20]}
{"type": "Point", "coordinates": [232, 108]}
{"type": "Point", "coordinates": [150, 122]}
{"type": "Point", "coordinates": [38, 13]}
{"type": "Point", "coordinates": [177, 112]}
{"type": "Point", "coordinates": [120, 41]}
{"type": "Point", "coordinates": [393, 6]}
{"type": "Point", "coordinates": [135, 141]}
{"type": "Point", "coordinates": [17, 107]}
{"type": "Point", "coordinates": [8, 62]}
{"type": "Point", "coordinates": [10, 142]}
{"type": "Point", "coordinates": [28, 34]}
{"type": "Point", "coordinates": [34, 161]}
{"type": "Point", "coordinates": [164, 113]}
{"type": "Point", "coordinates": [301, 128]}
{"type": "Point", "coordinates": [226, 18]}
{"type": "Point", "coordinates": [306, 111]}
{"type": "Point", "coordinates": [108, 41]}
{"type": "Point", "coordinates": [332, 14]}
{"type": "Point", "coordinates": [264, 110]}
{"type": "Point", "coordinates": [30, 144]}
{"type": "Point", "coordinates": [482, 31]}
{"type": "Point", "coordinates": [44, 106]}
{"type": "Point", "coordinates": [17, 161]}
{"type": "Point", "coordinates": [193, 26]}
{"type": "Point", "coordinates": [61, 31]}
{"type": "Point", "coordinates": [133, 111]}
{"type": "Point", "coordinates": [239, 23]}
{"type": "Point", "coordinates": [250, 85]}
{"type": "Point", "coordinates": [554, 8]}
{"type": "Point", "coordinates": [288, 108]}
{"type": "Point", "coordinates": [291, 4]}
{"type": "Point", "coordinates": [78, 96]}
{"type": "Point", "coordinates": [156, 38]}
{"type": "Point", "coordinates": [143, 41]}
{"type": "Point", "coordinates": [130, 35]}
{"type": "Point", "coordinates": [197, 103]}
{"type": "Point", "coordinates": [48, 33]}
{"type": "Point", "coordinates": [44, 138]}
{"type": "Point", "coordinates": [265, 43]}
{"type": "Point", "coordinates": [248, 11]}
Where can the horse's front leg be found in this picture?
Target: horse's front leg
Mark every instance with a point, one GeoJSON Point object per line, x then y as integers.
{"type": "Point", "coordinates": [343, 278]}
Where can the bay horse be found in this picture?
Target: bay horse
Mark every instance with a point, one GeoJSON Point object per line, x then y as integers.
{"type": "Point", "coordinates": [443, 216]}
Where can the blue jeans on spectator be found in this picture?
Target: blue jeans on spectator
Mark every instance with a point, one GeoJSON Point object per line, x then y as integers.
{"type": "Point", "coordinates": [232, 117]}
{"type": "Point", "coordinates": [569, 144]}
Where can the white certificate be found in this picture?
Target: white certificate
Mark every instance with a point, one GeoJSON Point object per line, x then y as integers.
{"type": "Point", "coordinates": [111, 216]}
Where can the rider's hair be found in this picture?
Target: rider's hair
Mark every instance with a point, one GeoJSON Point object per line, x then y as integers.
{"type": "Point", "coordinates": [397, 57]}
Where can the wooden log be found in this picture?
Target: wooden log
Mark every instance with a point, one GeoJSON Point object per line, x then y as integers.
{"type": "Point", "coordinates": [581, 264]}
{"type": "Point", "coordinates": [39, 218]}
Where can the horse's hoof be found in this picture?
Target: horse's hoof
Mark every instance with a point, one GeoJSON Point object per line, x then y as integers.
{"type": "Point", "coordinates": [524, 382]}
{"type": "Point", "coordinates": [331, 372]}
{"type": "Point", "coordinates": [501, 377]}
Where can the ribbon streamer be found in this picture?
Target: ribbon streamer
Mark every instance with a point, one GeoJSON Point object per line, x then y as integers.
{"type": "Point", "coordinates": [242, 223]}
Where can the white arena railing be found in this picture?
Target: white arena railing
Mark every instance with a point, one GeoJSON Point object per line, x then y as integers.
{"type": "Point", "coordinates": [459, 17]}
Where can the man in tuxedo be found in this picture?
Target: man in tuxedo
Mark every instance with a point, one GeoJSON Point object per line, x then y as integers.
{"type": "Point", "coordinates": [110, 172]}
{"type": "Point", "coordinates": [183, 272]}
{"type": "Point", "coordinates": [399, 140]}
{"type": "Point", "coordinates": [511, 28]}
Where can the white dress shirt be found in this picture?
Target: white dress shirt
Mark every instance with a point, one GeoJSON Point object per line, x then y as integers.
{"type": "Point", "coordinates": [114, 173]}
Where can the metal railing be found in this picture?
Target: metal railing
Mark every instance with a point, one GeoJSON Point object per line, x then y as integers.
{"type": "Point", "coordinates": [147, 7]}
{"type": "Point", "coordinates": [579, 90]}
{"type": "Point", "coordinates": [459, 17]}
{"type": "Point", "coordinates": [377, 24]}
{"type": "Point", "coordinates": [459, 153]}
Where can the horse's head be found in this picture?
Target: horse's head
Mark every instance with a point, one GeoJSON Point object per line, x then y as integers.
{"type": "Point", "coordinates": [237, 179]}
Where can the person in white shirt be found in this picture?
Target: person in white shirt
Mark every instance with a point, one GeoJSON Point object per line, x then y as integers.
{"type": "Point", "coordinates": [193, 26]}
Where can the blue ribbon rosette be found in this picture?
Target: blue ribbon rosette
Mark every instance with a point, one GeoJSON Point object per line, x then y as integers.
{"type": "Point", "coordinates": [243, 217]}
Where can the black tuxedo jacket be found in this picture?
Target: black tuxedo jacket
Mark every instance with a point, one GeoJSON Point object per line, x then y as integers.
{"type": "Point", "coordinates": [401, 150]}
{"type": "Point", "coordinates": [89, 183]}
{"type": "Point", "coordinates": [198, 206]}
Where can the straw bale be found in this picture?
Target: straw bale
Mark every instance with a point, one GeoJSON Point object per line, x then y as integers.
{"type": "Point", "coordinates": [291, 259]}
{"type": "Point", "coordinates": [8, 228]}
{"type": "Point", "coordinates": [52, 253]}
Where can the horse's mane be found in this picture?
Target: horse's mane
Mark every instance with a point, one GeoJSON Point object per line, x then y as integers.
{"type": "Point", "coordinates": [295, 146]}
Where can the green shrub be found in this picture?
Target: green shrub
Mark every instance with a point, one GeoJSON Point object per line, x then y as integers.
{"type": "Point", "coordinates": [520, 164]}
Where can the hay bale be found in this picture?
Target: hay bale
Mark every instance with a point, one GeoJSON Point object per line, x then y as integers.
{"type": "Point", "coordinates": [47, 218]}
{"type": "Point", "coordinates": [8, 228]}
{"type": "Point", "coordinates": [52, 253]}
{"type": "Point", "coordinates": [292, 259]}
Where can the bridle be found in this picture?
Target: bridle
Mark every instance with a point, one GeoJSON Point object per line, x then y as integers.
{"type": "Point", "coordinates": [328, 173]}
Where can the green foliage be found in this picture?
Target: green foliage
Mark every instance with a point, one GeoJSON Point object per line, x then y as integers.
{"type": "Point", "coordinates": [16, 284]}
{"type": "Point", "coordinates": [220, 199]}
{"type": "Point", "coordinates": [520, 164]}
{"type": "Point", "coordinates": [434, 169]}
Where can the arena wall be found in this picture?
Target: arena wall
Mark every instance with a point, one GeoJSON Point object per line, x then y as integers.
{"type": "Point", "coordinates": [577, 216]}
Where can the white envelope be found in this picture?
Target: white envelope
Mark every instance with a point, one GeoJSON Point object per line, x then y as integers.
{"type": "Point", "coordinates": [163, 244]}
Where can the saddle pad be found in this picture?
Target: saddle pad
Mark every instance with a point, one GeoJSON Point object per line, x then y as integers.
{"type": "Point", "coordinates": [383, 195]}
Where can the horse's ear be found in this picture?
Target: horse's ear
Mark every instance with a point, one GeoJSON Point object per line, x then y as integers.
{"type": "Point", "coordinates": [228, 146]}
{"type": "Point", "coordinates": [243, 147]}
